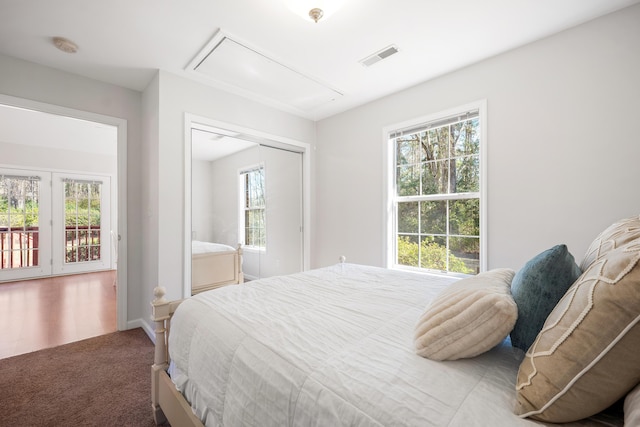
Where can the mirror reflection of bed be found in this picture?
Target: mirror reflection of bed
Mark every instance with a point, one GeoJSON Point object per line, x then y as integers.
{"type": "Point", "coordinates": [246, 209]}
{"type": "Point", "coordinates": [214, 265]}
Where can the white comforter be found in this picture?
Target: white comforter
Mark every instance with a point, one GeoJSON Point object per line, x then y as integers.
{"type": "Point", "coordinates": [331, 347]}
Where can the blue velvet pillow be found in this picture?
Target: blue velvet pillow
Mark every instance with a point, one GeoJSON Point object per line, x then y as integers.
{"type": "Point", "coordinates": [537, 288]}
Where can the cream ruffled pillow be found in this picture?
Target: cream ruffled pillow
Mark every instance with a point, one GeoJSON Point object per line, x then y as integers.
{"type": "Point", "coordinates": [468, 318]}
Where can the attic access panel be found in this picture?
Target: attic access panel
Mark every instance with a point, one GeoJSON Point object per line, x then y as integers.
{"type": "Point", "coordinates": [231, 63]}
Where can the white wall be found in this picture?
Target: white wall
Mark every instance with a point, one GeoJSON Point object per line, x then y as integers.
{"type": "Point", "coordinates": [30, 81]}
{"type": "Point", "coordinates": [149, 166]}
{"type": "Point", "coordinates": [30, 156]}
{"type": "Point", "coordinates": [203, 191]}
{"type": "Point", "coordinates": [562, 149]}
{"type": "Point", "coordinates": [178, 96]}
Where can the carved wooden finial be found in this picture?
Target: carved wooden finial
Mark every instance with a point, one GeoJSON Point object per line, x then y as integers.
{"type": "Point", "coordinates": [159, 293]}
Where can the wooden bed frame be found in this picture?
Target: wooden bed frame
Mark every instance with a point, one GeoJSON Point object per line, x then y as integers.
{"type": "Point", "coordinates": [167, 402]}
{"type": "Point", "coordinates": [214, 269]}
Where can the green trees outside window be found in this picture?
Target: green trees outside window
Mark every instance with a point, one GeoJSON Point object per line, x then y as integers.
{"type": "Point", "coordinates": [437, 197]}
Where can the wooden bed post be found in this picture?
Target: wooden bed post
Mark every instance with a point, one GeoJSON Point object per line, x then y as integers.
{"type": "Point", "coordinates": [160, 314]}
{"type": "Point", "coordinates": [166, 401]}
{"type": "Point", "coordinates": [240, 273]}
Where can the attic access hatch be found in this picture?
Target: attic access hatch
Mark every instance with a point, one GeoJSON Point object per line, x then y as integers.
{"type": "Point", "coordinates": [244, 70]}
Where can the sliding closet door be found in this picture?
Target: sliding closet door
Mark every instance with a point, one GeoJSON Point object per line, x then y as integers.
{"type": "Point", "coordinates": [81, 223]}
{"type": "Point", "coordinates": [25, 224]}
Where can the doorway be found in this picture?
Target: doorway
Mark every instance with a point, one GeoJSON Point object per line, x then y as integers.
{"type": "Point", "coordinates": [29, 132]}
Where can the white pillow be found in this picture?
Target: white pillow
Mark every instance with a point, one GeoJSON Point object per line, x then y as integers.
{"type": "Point", "coordinates": [632, 407]}
{"type": "Point", "coordinates": [468, 318]}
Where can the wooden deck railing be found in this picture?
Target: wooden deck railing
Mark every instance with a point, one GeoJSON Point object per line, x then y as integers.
{"type": "Point", "coordinates": [21, 248]}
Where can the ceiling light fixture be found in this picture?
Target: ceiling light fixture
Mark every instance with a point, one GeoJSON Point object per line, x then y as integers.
{"type": "Point", "coordinates": [314, 9]}
{"type": "Point", "coordinates": [65, 45]}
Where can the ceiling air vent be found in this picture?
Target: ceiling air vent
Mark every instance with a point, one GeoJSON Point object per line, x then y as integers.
{"type": "Point", "coordinates": [379, 56]}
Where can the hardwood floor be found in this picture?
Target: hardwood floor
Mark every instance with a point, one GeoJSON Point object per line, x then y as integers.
{"type": "Point", "coordinates": [42, 313]}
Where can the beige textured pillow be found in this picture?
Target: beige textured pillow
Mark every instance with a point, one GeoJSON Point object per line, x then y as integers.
{"type": "Point", "coordinates": [586, 356]}
{"type": "Point", "coordinates": [632, 407]}
{"type": "Point", "coordinates": [468, 318]}
{"type": "Point", "coordinates": [617, 234]}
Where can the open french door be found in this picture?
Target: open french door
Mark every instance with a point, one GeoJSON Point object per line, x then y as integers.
{"type": "Point", "coordinates": [81, 240]}
{"type": "Point", "coordinates": [25, 224]}
{"type": "Point", "coordinates": [53, 223]}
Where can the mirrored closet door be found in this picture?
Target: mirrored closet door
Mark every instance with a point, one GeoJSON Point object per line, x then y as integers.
{"type": "Point", "coordinates": [245, 193]}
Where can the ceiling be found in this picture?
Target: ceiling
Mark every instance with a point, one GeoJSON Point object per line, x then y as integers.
{"type": "Point", "coordinates": [125, 42]}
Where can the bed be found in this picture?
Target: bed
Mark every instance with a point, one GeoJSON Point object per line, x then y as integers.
{"type": "Point", "coordinates": [214, 265]}
{"type": "Point", "coordinates": [328, 347]}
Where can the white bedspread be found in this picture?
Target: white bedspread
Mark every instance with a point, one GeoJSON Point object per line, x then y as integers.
{"type": "Point", "coordinates": [331, 347]}
{"type": "Point", "coordinates": [198, 247]}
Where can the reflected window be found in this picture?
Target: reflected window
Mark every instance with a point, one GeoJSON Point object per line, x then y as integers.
{"type": "Point", "coordinates": [253, 209]}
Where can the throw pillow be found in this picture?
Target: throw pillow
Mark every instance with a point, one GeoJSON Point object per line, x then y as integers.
{"type": "Point", "coordinates": [616, 235]}
{"type": "Point", "coordinates": [632, 407]}
{"type": "Point", "coordinates": [468, 318]}
{"type": "Point", "coordinates": [586, 356]}
{"type": "Point", "coordinates": [537, 288]}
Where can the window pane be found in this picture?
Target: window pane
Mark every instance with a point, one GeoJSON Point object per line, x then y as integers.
{"type": "Point", "coordinates": [465, 253]}
{"type": "Point", "coordinates": [408, 217]}
{"type": "Point", "coordinates": [433, 217]}
{"type": "Point", "coordinates": [82, 220]}
{"type": "Point", "coordinates": [433, 253]}
{"type": "Point", "coordinates": [255, 188]}
{"type": "Point", "coordinates": [408, 180]}
{"type": "Point", "coordinates": [464, 217]}
{"type": "Point", "coordinates": [408, 150]}
{"type": "Point", "coordinates": [408, 251]}
{"type": "Point", "coordinates": [467, 137]}
{"type": "Point", "coordinates": [438, 141]}
{"type": "Point", "coordinates": [4, 219]}
{"type": "Point", "coordinates": [17, 220]}
{"type": "Point", "coordinates": [435, 176]}
{"type": "Point", "coordinates": [467, 173]}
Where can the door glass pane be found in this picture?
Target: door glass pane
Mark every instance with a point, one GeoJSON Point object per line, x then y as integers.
{"type": "Point", "coordinates": [19, 221]}
{"type": "Point", "coordinates": [82, 221]}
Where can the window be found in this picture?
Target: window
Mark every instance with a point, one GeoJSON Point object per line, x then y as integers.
{"type": "Point", "coordinates": [253, 207]}
{"type": "Point", "coordinates": [19, 221]}
{"type": "Point", "coordinates": [82, 220]}
{"type": "Point", "coordinates": [436, 194]}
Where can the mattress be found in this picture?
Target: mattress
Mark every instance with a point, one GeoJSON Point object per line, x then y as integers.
{"type": "Point", "coordinates": [332, 347]}
{"type": "Point", "coordinates": [198, 247]}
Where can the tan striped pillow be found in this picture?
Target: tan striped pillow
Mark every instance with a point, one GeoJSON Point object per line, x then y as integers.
{"type": "Point", "coordinates": [468, 318]}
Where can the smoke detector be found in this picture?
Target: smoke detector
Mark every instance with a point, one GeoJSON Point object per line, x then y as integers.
{"type": "Point", "coordinates": [65, 45]}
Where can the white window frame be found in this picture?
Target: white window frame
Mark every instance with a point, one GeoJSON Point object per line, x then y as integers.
{"type": "Point", "coordinates": [389, 183]}
{"type": "Point", "coordinates": [242, 208]}
{"type": "Point", "coordinates": [60, 266]}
